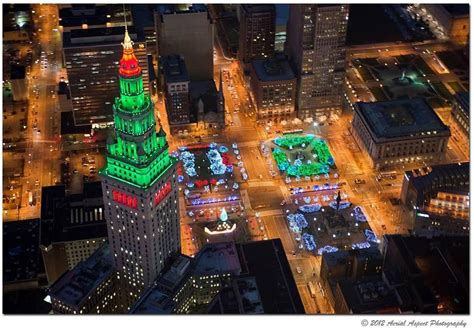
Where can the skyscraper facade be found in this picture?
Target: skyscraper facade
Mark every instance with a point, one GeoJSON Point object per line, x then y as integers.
{"type": "Point", "coordinates": [139, 184]}
{"type": "Point", "coordinates": [316, 45]}
{"type": "Point", "coordinates": [257, 32]}
{"type": "Point", "coordinates": [91, 57]}
{"type": "Point", "coordinates": [176, 84]}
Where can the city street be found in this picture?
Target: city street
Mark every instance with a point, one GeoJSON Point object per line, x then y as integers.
{"type": "Point", "coordinates": [42, 152]}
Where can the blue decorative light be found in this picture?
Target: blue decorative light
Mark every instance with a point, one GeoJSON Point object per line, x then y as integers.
{"type": "Point", "coordinates": [311, 208]}
{"type": "Point", "coordinates": [297, 222]}
{"type": "Point", "coordinates": [203, 201]}
{"type": "Point", "coordinates": [187, 158]}
{"type": "Point", "coordinates": [342, 205]}
{"type": "Point", "coordinates": [309, 242]}
{"type": "Point", "coordinates": [217, 167]}
{"type": "Point", "coordinates": [359, 215]}
{"type": "Point", "coordinates": [370, 236]}
{"type": "Point", "coordinates": [359, 246]}
{"type": "Point", "coordinates": [327, 249]}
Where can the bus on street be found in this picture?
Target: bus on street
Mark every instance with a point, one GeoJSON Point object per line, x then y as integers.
{"type": "Point", "coordinates": [387, 175]}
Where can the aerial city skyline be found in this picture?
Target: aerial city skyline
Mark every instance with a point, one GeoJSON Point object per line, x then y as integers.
{"type": "Point", "coordinates": [236, 159]}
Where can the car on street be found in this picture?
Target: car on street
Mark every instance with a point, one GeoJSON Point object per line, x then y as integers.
{"type": "Point", "coordinates": [359, 181]}
{"type": "Point", "coordinates": [298, 270]}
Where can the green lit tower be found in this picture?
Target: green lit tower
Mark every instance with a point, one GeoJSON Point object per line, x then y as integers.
{"type": "Point", "coordinates": [139, 184]}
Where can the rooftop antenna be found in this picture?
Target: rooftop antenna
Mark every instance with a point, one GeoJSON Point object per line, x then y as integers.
{"type": "Point", "coordinates": [127, 42]}
{"type": "Point", "coordinates": [125, 17]}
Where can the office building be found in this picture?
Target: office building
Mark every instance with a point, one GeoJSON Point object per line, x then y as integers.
{"type": "Point", "coordinates": [88, 288]}
{"type": "Point", "coordinates": [191, 105]}
{"type": "Point", "coordinates": [258, 272]}
{"type": "Point", "coordinates": [316, 46]}
{"type": "Point", "coordinates": [140, 196]}
{"type": "Point", "coordinates": [370, 295]}
{"type": "Point", "coordinates": [447, 21]}
{"type": "Point", "coordinates": [240, 297]}
{"type": "Point", "coordinates": [139, 184]}
{"type": "Point", "coordinates": [84, 16]}
{"type": "Point", "coordinates": [352, 264]}
{"type": "Point", "coordinates": [17, 23]}
{"type": "Point", "coordinates": [91, 57]}
{"type": "Point", "coordinates": [188, 31]}
{"type": "Point", "coordinates": [281, 21]}
{"type": "Point", "coordinates": [399, 132]}
{"type": "Point", "coordinates": [429, 276]}
{"type": "Point", "coordinates": [257, 32]}
{"type": "Point", "coordinates": [437, 198]}
{"type": "Point", "coordinates": [22, 264]}
{"type": "Point", "coordinates": [460, 120]}
{"type": "Point", "coordinates": [176, 84]}
{"type": "Point", "coordinates": [273, 87]}
{"type": "Point", "coordinates": [72, 227]}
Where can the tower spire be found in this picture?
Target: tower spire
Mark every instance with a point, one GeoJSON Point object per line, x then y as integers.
{"type": "Point", "coordinates": [127, 41]}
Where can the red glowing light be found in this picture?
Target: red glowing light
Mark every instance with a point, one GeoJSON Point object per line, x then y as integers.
{"type": "Point", "coordinates": [129, 66]}
{"type": "Point", "coordinates": [163, 192]}
{"type": "Point", "coordinates": [124, 199]}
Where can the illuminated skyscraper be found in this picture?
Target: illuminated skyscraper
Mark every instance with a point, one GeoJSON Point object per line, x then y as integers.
{"type": "Point", "coordinates": [316, 45]}
{"type": "Point", "coordinates": [257, 32]}
{"type": "Point", "coordinates": [139, 184]}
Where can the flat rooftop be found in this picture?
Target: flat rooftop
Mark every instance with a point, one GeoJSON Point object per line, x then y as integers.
{"type": "Point", "coordinates": [369, 295]}
{"type": "Point", "coordinates": [217, 258]}
{"type": "Point", "coordinates": [75, 285]}
{"type": "Point", "coordinates": [154, 302]}
{"type": "Point", "coordinates": [176, 274]}
{"type": "Point", "coordinates": [17, 72]}
{"type": "Point", "coordinates": [74, 217]}
{"type": "Point", "coordinates": [180, 8]}
{"type": "Point", "coordinates": [423, 179]}
{"type": "Point", "coordinates": [68, 127]}
{"type": "Point", "coordinates": [401, 118]}
{"type": "Point", "coordinates": [97, 36]}
{"type": "Point", "coordinates": [341, 257]}
{"type": "Point", "coordinates": [175, 69]}
{"type": "Point", "coordinates": [258, 8]}
{"type": "Point", "coordinates": [273, 69]}
{"type": "Point", "coordinates": [267, 262]}
{"type": "Point", "coordinates": [84, 14]}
